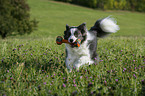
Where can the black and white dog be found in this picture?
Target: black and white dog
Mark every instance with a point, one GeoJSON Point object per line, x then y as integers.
{"type": "Point", "coordinates": [86, 53]}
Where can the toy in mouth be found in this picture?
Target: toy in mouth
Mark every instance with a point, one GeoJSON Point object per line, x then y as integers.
{"type": "Point", "coordinates": [60, 40]}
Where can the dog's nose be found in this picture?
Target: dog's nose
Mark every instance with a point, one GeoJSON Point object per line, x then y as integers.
{"type": "Point", "coordinates": [71, 40]}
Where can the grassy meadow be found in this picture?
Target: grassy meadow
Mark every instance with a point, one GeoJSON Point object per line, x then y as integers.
{"type": "Point", "coordinates": [33, 65]}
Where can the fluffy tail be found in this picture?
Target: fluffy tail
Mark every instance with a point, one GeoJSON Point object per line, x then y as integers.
{"type": "Point", "coordinates": [105, 26]}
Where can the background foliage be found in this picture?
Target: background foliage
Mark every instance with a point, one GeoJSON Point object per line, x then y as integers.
{"type": "Point", "coordinates": [133, 5]}
{"type": "Point", "coordinates": [15, 18]}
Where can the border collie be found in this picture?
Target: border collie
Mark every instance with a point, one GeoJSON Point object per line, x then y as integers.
{"type": "Point", "coordinates": [86, 53]}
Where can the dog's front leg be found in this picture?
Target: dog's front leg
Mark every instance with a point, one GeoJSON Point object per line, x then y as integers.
{"type": "Point", "coordinates": [82, 61]}
{"type": "Point", "coordinates": [69, 63]}
{"type": "Point", "coordinates": [70, 60]}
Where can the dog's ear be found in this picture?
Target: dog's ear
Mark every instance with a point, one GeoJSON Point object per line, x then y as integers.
{"type": "Point", "coordinates": [67, 27]}
{"type": "Point", "coordinates": [82, 26]}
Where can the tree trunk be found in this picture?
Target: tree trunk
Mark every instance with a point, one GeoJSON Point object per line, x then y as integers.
{"type": "Point", "coordinates": [3, 35]}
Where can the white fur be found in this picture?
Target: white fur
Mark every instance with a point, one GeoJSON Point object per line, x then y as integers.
{"type": "Point", "coordinates": [72, 35]}
{"type": "Point", "coordinates": [80, 55]}
{"type": "Point", "coordinates": [109, 25]}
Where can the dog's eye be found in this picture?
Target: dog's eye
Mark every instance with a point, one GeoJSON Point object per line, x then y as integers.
{"type": "Point", "coordinates": [76, 33]}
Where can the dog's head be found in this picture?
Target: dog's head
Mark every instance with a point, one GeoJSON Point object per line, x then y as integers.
{"type": "Point", "coordinates": [73, 33]}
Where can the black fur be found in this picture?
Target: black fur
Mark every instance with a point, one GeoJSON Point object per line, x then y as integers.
{"type": "Point", "coordinates": [96, 28]}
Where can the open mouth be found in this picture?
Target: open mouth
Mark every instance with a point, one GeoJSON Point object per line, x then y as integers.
{"type": "Point", "coordinates": [77, 43]}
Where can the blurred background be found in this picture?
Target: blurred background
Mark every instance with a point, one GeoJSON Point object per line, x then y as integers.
{"type": "Point", "coordinates": [47, 18]}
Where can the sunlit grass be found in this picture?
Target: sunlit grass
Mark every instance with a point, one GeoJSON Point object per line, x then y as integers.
{"type": "Point", "coordinates": [37, 68]}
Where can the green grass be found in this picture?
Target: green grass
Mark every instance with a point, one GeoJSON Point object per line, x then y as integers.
{"type": "Point", "coordinates": [34, 65]}
{"type": "Point", "coordinates": [53, 16]}
{"type": "Point", "coordinates": [37, 68]}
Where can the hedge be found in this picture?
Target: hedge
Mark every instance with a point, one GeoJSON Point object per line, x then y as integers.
{"type": "Point", "coordinates": [132, 5]}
